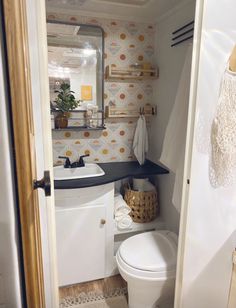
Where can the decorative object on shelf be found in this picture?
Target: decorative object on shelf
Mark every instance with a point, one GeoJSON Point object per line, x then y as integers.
{"type": "Point", "coordinates": [137, 67]}
{"type": "Point", "coordinates": [130, 112]}
{"type": "Point", "coordinates": [147, 67]}
{"type": "Point", "coordinates": [61, 120]}
{"type": "Point", "coordinates": [92, 116]}
{"type": "Point", "coordinates": [78, 120]}
{"type": "Point", "coordinates": [65, 102]}
{"type": "Point", "coordinates": [144, 205]}
{"type": "Point", "coordinates": [132, 73]}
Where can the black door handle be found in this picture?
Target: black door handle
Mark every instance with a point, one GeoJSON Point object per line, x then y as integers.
{"type": "Point", "coordinates": [44, 183]}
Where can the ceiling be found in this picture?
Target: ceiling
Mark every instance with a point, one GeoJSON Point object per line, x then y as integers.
{"type": "Point", "coordinates": [74, 36]}
{"type": "Point", "coordinates": [70, 50]}
{"type": "Point", "coordinates": [64, 61]}
{"type": "Point", "coordinates": [143, 10]}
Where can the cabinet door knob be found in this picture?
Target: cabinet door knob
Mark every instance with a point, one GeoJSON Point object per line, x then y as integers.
{"type": "Point", "coordinates": [103, 221]}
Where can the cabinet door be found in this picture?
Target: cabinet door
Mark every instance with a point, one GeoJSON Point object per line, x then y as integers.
{"type": "Point", "coordinates": [81, 244]}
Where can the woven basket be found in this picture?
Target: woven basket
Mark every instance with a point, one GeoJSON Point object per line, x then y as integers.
{"type": "Point", "coordinates": [144, 205]}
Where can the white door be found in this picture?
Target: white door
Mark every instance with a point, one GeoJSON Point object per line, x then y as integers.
{"type": "Point", "coordinates": [208, 218]}
{"type": "Point", "coordinates": [37, 36]}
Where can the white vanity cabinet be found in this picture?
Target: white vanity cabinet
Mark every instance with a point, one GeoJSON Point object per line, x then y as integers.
{"type": "Point", "coordinates": [85, 235]}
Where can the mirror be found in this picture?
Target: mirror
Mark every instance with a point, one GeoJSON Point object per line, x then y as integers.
{"type": "Point", "coordinates": [75, 57]}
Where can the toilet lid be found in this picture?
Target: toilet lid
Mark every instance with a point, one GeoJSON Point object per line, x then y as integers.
{"type": "Point", "coordinates": [152, 251]}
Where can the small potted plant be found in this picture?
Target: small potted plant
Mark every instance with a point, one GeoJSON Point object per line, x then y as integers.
{"type": "Point", "coordinates": [64, 102]}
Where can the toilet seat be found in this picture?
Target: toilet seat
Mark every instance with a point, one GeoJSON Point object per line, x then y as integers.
{"type": "Point", "coordinates": [150, 255]}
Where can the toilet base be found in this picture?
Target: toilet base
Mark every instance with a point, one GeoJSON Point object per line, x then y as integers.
{"type": "Point", "coordinates": [151, 295]}
{"type": "Point", "coordinates": [146, 288]}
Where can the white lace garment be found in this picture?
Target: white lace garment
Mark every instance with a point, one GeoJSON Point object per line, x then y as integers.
{"type": "Point", "coordinates": [223, 135]}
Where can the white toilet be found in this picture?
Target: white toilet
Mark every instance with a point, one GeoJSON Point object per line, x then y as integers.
{"type": "Point", "coordinates": [147, 262]}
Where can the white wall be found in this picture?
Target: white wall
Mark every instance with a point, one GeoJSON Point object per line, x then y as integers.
{"type": "Point", "coordinates": [208, 222]}
{"type": "Point", "coordinates": [170, 62]}
{"type": "Point", "coordinates": [10, 283]}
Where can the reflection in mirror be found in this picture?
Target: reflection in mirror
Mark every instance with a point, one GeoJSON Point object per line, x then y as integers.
{"type": "Point", "coordinates": [75, 59]}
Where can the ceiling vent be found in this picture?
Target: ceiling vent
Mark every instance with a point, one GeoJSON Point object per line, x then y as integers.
{"type": "Point", "coordinates": [126, 2]}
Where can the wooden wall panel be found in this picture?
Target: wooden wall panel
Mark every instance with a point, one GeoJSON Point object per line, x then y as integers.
{"type": "Point", "coordinates": [21, 101]}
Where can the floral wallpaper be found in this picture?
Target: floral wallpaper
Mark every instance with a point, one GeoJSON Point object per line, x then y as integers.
{"type": "Point", "coordinates": [125, 43]}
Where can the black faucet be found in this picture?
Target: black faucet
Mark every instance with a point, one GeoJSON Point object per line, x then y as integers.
{"type": "Point", "coordinates": [67, 163]}
{"type": "Point", "coordinates": [80, 163]}
{"type": "Point", "coordinates": [76, 164]}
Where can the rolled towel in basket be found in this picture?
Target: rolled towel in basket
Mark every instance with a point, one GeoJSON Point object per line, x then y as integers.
{"type": "Point", "coordinates": [142, 184]}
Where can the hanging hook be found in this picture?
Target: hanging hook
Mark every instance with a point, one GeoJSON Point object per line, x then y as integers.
{"type": "Point", "coordinates": [141, 111]}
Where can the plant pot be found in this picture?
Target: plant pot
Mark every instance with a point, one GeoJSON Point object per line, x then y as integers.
{"type": "Point", "coordinates": [61, 120]}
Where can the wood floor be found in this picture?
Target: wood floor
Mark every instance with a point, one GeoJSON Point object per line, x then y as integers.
{"type": "Point", "coordinates": [102, 285]}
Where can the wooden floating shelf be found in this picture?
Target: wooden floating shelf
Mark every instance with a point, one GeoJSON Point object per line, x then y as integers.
{"type": "Point", "coordinates": [77, 121]}
{"type": "Point", "coordinates": [129, 112]}
{"type": "Point", "coordinates": [130, 74]}
{"type": "Point", "coordinates": [79, 128]}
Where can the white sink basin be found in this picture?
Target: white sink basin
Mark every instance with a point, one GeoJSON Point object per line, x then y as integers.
{"type": "Point", "coordinates": [88, 171]}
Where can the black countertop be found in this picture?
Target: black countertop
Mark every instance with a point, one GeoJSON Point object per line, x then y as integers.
{"type": "Point", "coordinates": [113, 172]}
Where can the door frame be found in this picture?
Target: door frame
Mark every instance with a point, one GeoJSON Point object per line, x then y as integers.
{"type": "Point", "coordinates": [18, 61]}
{"type": "Point", "coordinates": [21, 105]}
{"type": "Point", "coordinates": [188, 152]}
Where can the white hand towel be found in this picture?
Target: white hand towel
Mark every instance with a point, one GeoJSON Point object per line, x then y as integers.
{"type": "Point", "coordinates": [124, 223]}
{"type": "Point", "coordinates": [140, 142]}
